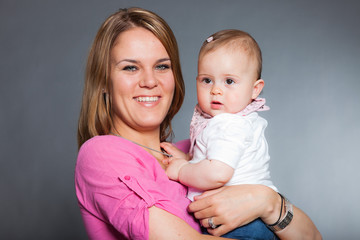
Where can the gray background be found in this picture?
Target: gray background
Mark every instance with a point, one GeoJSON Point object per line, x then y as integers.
{"type": "Point", "coordinates": [311, 52]}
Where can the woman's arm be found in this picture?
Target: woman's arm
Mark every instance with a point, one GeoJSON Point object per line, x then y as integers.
{"type": "Point", "coordinates": [301, 227]}
{"type": "Point", "coordinates": [234, 206]}
{"type": "Point", "coordinates": [164, 225]}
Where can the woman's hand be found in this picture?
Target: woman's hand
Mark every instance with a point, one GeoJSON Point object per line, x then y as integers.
{"type": "Point", "coordinates": [234, 206]}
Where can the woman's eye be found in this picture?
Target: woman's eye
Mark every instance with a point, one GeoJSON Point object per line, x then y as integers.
{"type": "Point", "coordinates": [206, 80]}
{"type": "Point", "coordinates": [229, 81]}
{"type": "Point", "coordinates": [130, 68]}
{"type": "Point", "coordinates": [163, 67]}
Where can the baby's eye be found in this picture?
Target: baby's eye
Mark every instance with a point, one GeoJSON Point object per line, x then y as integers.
{"type": "Point", "coordinates": [206, 80]}
{"type": "Point", "coordinates": [163, 67]}
{"type": "Point", "coordinates": [229, 81]}
{"type": "Point", "coordinates": [130, 68]}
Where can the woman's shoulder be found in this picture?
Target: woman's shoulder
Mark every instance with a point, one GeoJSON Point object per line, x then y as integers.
{"type": "Point", "coordinates": [104, 143]}
{"type": "Point", "coordinates": [98, 140]}
{"type": "Point", "coordinates": [107, 158]}
{"type": "Point", "coordinates": [104, 149]}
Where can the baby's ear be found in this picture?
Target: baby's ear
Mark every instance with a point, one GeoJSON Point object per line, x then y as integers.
{"type": "Point", "coordinates": [258, 86]}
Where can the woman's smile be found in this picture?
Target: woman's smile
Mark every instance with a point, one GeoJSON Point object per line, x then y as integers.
{"type": "Point", "coordinates": [147, 99]}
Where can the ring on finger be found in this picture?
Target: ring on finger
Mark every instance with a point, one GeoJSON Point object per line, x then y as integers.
{"type": "Point", "coordinates": [211, 223]}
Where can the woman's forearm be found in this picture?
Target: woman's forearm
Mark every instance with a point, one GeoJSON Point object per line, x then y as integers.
{"type": "Point", "coordinates": [164, 225]}
{"type": "Point", "coordinates": [301, 227]}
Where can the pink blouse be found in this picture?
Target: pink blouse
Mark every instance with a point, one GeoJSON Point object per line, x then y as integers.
{"type": "Point", "coordinates": [116, 182]}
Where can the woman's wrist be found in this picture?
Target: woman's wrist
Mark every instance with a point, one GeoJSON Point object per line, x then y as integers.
{"type": "Point", "coordinates": [281, 211]}
{"type": "Point", "coordinates": [274, 206]}
{"type": "Point", "coordinates": [285, 216]}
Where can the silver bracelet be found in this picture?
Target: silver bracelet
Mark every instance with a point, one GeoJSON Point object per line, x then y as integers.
{"type": "Point", "coordinates": [280, 225]}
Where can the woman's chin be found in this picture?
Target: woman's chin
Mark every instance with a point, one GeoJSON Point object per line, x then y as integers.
{"type": "Point", "coordinates": [149, 124]}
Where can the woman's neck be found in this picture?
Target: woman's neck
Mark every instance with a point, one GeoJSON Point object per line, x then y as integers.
{"type": "Point", "coordinates": [149, 138]}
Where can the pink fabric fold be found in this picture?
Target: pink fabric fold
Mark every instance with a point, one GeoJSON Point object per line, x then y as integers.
{"type": "Point", "coordinates": [200, 118]}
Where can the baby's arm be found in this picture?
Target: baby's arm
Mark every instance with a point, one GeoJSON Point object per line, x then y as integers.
{"type": "Point", "coordinates": [204, 175]}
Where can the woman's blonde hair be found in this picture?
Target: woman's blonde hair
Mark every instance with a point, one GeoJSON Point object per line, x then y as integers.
{"type": "Point", "coordinates": [96, 113]}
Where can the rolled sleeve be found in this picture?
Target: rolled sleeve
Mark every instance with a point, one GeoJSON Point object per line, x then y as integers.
{"type": "Point", "coordinates": [112, 195]}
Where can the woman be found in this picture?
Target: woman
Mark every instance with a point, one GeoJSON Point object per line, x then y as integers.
{"type": "Point", "coordinates": [133, 89]}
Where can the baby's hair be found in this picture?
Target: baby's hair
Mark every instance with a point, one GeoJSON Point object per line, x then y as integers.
{"type": "Point", "coordinates": [234, 39]}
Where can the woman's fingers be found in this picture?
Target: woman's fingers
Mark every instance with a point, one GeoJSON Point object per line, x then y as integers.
{"type": "Point", "coordinates": [203, 206]}
{"type": "Point", "coordinates": [206, 224]}
{"type": "Point", "coordinates": [234, 206]}
{"type": "Point", "coordinates": [221, 230]}
{"type": "Point", "coordinates": [207, 193]}
{"type": "Point", "coordinates": [221, 227]}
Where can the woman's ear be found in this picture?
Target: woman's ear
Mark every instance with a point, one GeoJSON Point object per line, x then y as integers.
{"type": "Point", "coordinates": [258, 86]}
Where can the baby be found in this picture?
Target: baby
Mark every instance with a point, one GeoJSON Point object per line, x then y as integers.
{"type": "Point", "coordinates": [228, 146]}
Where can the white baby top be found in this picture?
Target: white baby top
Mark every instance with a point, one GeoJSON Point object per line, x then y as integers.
{"type": "Point", "coordinates": [238, 141]}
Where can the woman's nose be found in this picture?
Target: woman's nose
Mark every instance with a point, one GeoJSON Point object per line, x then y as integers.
{"type": "Point", "coordinates": [148, 80]}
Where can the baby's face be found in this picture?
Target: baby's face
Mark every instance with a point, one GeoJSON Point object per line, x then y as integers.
{"type": "Point", "coordinates": [225, 81]}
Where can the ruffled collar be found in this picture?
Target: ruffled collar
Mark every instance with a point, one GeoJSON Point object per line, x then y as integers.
{"type": "Point", "coordinates": [200, 118]}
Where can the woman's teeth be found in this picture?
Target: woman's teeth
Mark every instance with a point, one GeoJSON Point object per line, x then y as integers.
{"type": "Point", "coordinates": [147, 99]}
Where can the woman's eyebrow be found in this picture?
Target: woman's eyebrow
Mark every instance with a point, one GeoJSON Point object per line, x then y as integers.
{"type": "Point", "coordinates": [163, 60]}
{"type": "Point", "coordinates": [125, 60]}
{"type": "Point", "coordinates": [135, 61]}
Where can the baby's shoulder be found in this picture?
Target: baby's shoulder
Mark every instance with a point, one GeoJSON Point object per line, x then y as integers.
{"type": "Point", "coordinates": [227, 124]}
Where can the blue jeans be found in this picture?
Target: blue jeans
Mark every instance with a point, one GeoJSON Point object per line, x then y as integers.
{"type": "Point", "coordinates": [256, 230]}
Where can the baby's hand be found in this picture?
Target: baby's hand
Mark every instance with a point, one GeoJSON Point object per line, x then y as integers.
{"type": "Point", "coordinates": [174, 151]}
{"type": "Point", "coordinates": [174, 167]}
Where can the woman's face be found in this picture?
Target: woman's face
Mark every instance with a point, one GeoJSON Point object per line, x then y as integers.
{"type": "Point", "coordinates": [142, 81]}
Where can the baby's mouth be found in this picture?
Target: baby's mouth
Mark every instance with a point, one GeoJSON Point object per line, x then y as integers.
{"type": "Point", "coordinates": [216, 103]}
